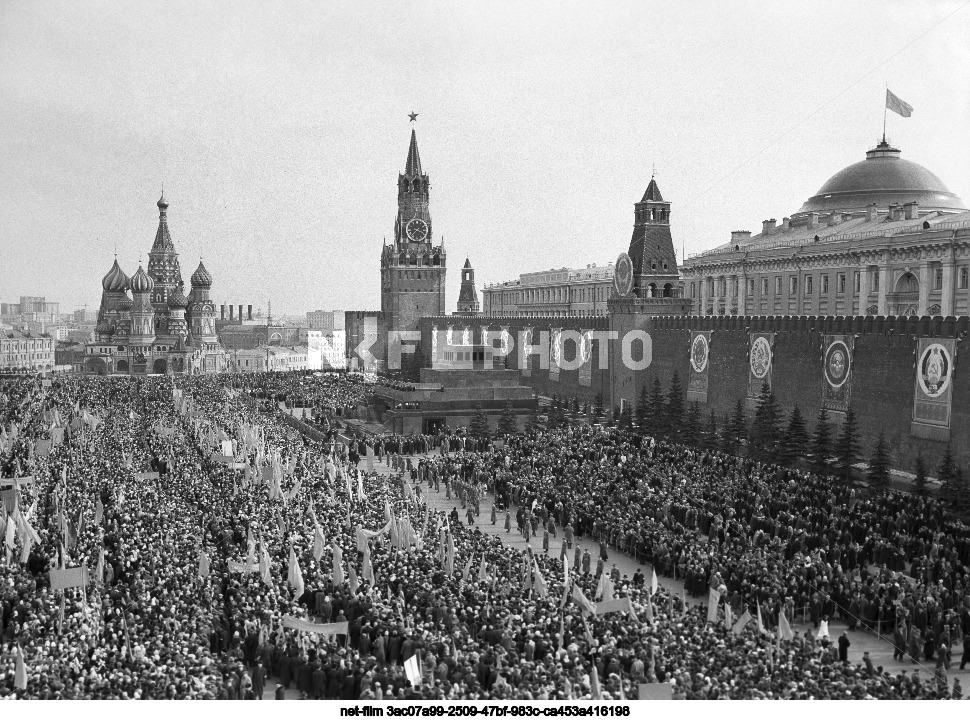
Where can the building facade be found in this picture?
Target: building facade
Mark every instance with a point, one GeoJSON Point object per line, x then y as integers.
{"type": "Point", "coordinates": [882, 237]}
{"type": "Point", "coordinates": [25, 352]}
{"type": "Point", "coordinates": [158, 329]}
{"type": "Point", "coordinates": [563, 291]}
{"type": "Point", "coordinates": [412, 267]}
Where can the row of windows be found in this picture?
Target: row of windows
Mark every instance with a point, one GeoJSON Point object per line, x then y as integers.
{"type": "Point", "coordinates": [721, 284]}
{"type": "Point", "coordinates": [556, 295]}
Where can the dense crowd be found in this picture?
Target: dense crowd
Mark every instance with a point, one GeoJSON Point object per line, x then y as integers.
{"type": "Point", "coordinates": [196, 574]}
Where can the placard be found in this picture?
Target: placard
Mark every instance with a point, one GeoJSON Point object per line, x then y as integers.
{"type": "Point", "coordinates": [62, 578]}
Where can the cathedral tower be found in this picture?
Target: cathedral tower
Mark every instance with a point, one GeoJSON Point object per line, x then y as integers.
{"type": "Point", "coordinates": [202, 311]}
{"type": "Point", "coordinates": [412, 267]}
{"type": "Point", "coordinates": [142, 333]}
{"type": "Point", "coordinates": [163, 268]}
{"type": "Point", "coordinates": [468, 295]}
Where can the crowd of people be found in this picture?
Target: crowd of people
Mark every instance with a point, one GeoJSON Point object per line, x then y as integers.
{"type": "Point", "coordinates": [229, 556]}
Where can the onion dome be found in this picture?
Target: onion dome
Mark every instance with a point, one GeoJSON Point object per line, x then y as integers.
{"type": "Point", "coordinates": [162, 203]}
{"type": "Point", "coordinates": [115, 280]}
{"type": "Point", "coordinates": [104, 327]}
{"type": "Point", "coordinates": [141, 282]}
{"type": "Point", "coordinates": [201, 277]}
{"type": "Point", "coordinates": [178, 299]}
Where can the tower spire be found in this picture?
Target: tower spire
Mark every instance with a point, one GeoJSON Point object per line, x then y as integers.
{"type": "Point", "coordinates": [413, 165]}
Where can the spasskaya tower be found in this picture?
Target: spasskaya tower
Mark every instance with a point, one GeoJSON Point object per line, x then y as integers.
{"type": "Point", "coordinates": [412, 268]}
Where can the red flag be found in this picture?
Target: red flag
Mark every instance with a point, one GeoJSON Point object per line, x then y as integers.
{"type": "Point", "coordinates": [897, 105]}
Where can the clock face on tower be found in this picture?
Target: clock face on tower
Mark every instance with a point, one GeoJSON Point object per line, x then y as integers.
{"type": "Point", "coordinates": [417, 230]}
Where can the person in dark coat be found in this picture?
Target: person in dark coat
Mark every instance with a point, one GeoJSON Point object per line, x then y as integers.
{"type": "Point", "coordinates": [844, 644]}
{"type": "Point", "coordinates": [259, 680]}
{"type": "Point", "coordinates": [280, 692]}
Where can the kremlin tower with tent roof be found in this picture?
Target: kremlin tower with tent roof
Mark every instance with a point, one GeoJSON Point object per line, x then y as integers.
{"type": "Point", "coordinates": [157, 329]}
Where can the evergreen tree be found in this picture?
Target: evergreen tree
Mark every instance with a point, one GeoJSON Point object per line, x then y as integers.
{"type": "Point", "coordinates": [674, 408]}
{"type": "Point", "coordinates": [643, 408]}
{"type": "Point", "coordinates": [626, 417]}
{"type": "Point", "coordinates": [615, 418]}
{"type": "Point", "coordinates": [735, 430]}
{"type": "Point", "coordinates": [847, 447]}
{"type": "Point", "coordinates": [533, 425]}
{"type": "Point", "coordinates": [599, 411]}
{"type": "Point", "coordinates": [692, 425]}
{"type": "Point", "coordinates": [795, 442]}
{"type": "Point", "coordinates": [479, 424]}
{"type": "Point", "coordinates": [556, 418]}
{"type": "Point", "coordinates": [822, 441]}
{"type": "Point", "coordinates": [947, 468]}
{"type": "Point", "coordinates": [507, 423]}
{"type": "Point", "coordinates": [953, 489]}
{"type": "Point", "coordinates": [711, 436]}
{"type": "Point", "coordinates": [575, 404]}
{"type": "Point", "coordinates": [657, 402]}
{"type": "Point", "coordinates": [919, 483]}
{"type": "Point", "coordinates": [878, 474]}
{"type": "Point", "coordinates": [764, 430]}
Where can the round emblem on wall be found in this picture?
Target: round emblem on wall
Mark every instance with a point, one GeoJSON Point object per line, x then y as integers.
{"type": "Point", "coordinates": [699, 353]}
{"type": "Point", "coordinates": [586, 347]}
{"type": "Point", "coordinates": [934, 370]}
{"type": "Point", "coordinates": [760, 357]}
{"type": "Point", "coordinates": [623, 275]}
{"type": "Point", "coordinates": [837, 362]}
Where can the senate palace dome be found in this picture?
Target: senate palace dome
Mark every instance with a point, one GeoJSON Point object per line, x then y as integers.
{"type": "Point", "coordinates": [883, 178]}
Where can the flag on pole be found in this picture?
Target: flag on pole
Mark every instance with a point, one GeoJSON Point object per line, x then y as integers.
{"type": "Point", "coordinates": [20, 670]}
{"type": "Point", "coordinates": [784, 630]}
{"type": "Point", "coordinates": [294, 575]}
{"type": "Point", "coordinates": [741, 623]}
{"type": "Point", "coordinates": [368, 567]}
{"type": "Point", "coordinates": [761, 623]}
{"type": "Point", "coordinates": [338, 569]}
{"type": "Point", "coordinates": [585, 605]}
{"type": "Point", "coordinates": [466, 571]}
{"type": "Point", "coordinates": [728, 615]}
{"type": "Point", "coordinates": [649, 606]}
{"type": "Point", "coordinates": [318, 543]}
{"type": "Point", "coordinates": [713, 597]}
{"type": "Point", "coordinates": [540, 582]}
{"type": "Point", "coordinates": [594, 685]}
{"type": "Point", "coordinates": [352, 579]}
{"type": "Point", "coordinates": [483, 570]}
{"type": "Point", "coordinates": [203, 564]}
{"type": "Point", "coordinates": [653, 581]}
{"type": "Point", "coordinates": [264, 564]}
{"type": "Point", "coordinates": [897, 105]}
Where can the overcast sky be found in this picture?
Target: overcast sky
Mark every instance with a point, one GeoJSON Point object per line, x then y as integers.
{"type": "Point", "coordinates": [279, 129]}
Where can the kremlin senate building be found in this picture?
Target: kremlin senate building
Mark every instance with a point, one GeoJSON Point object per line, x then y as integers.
{"type": "Point", "coordinates": [882, 237]}
{"type": "Point", "coordinates": [156, 329]}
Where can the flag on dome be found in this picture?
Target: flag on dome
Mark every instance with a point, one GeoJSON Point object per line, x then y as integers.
{"type": "Point", "coordinates": [897, 105]}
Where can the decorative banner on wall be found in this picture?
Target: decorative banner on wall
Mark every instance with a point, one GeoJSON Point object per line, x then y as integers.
{"type": "Point", "coordinates": [434, 346]}
{"type": "Point", "coordinates": [555, 353]}
{"type": "Point", "coordinates": [934, 376]}
{"type": "Point", "coordinates": [837, 371]}
{"type": "Point", "coordinates": [586, 355]}
{"type": "Point", "coordinates": [700, 353]}
{"type": "Point", "coordinates": [527, 344]}
{"type": "Point", "coordinates": [760, 357]}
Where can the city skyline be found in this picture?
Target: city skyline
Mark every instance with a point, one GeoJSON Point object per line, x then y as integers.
{"type": "Point", "coordinates": [279, 143]}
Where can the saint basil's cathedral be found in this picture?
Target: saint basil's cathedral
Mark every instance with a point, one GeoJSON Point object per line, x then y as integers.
{"type": "Point", "coordinates": [156, 329]}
